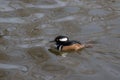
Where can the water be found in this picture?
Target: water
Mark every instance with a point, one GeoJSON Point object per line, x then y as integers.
{"type": "Point", "coordinates": [27, 26]}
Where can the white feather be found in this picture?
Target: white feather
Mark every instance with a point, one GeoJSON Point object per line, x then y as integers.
{"type": "Point", "coordinates": [63, 39]}
{"type": "Point", "coordinates": [60, 48]}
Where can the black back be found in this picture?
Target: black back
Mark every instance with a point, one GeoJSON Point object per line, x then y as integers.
{"type": "Point", "coordinates": [68, 43]}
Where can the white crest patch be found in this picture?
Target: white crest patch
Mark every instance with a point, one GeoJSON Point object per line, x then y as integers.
{"type": "Point", "coordinates": [63, 39]}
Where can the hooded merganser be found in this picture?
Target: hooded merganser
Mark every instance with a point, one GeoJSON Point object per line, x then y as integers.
{"type": "Point", "coordinates": [64, 44]}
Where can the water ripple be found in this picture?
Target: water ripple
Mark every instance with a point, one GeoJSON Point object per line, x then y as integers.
{"type": "Point", "coordinates": [38, 54]}
{"type": "Point", "coordinates": [68, 18]}
{"type": "Point", "coordinates": [98, 12]}
{"type": "Point", "coordinates": [57, 69]}
{"type": "Point", "coordinates": [11, 66]}
{"type": "Point", "coordinates": [11, 20]}
{"type": "Point", "coordinates": [32, 45]}
{"type": "Point", "coordinates": [11, 6]}
{"type": "Point", "coordinates": [21, 20]}
{"type": "Point", "coordinates": [59, 4]}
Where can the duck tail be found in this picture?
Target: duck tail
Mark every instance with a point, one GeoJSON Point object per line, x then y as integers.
{"type": "Point", "coordinates": [88, 45]}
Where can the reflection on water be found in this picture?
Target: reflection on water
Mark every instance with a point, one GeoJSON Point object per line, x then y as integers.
{"type": "Point", "coordinates": [27, 26]}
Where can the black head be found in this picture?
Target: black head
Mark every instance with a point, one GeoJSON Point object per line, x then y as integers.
{"type": "Point", "coordinates": [61, 39]}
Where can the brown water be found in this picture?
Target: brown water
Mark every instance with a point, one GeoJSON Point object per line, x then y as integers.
{"type": "Point", "coordinates": [27, 26]}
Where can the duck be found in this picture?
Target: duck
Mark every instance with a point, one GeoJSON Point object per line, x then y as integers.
{"type": "Point", "coordinates": [64, 44]}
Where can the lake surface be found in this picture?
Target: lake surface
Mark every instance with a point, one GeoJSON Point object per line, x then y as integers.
{"type": "Point", "coordinates": [27, 26]}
